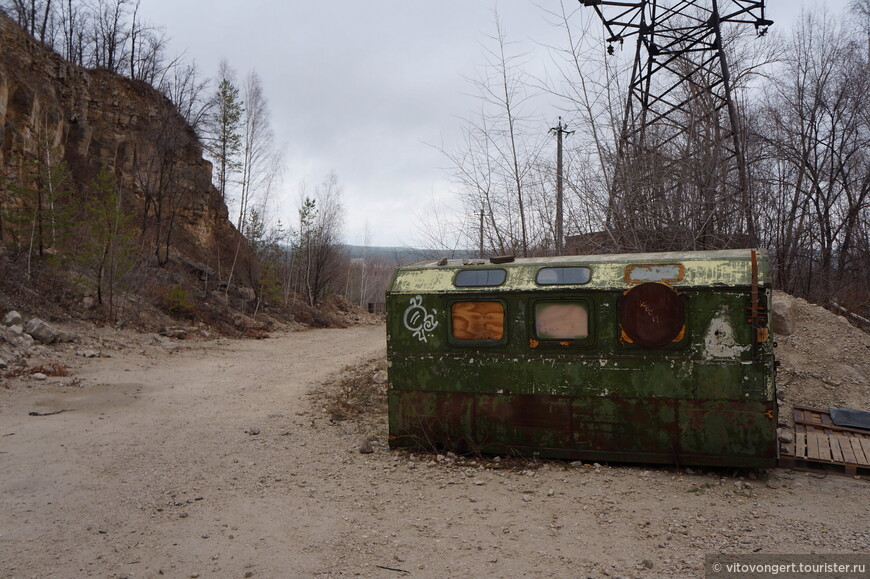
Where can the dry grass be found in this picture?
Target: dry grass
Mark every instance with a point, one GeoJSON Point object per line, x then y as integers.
{"type": "Point", "coordinates": [353, 392]}
{"type": "Point", "coordinates": [54, 369]}
{"type": "Point", "coordinates": [255, 334]}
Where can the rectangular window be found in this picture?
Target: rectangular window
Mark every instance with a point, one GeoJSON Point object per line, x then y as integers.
{"type": "Point", "coordinates": [563, 275]}
{"type": "Point", "coordinates": [479, 321]}
{"type": "Point", "coordinates": [565, 321]}
{"type": "Point", "coordinates": [480, 278]}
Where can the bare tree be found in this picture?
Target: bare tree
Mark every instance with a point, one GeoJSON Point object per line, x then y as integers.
{"type": "Point", "coordinates": [817, 136]}
{"type": "Point", "coordinates": [34, 16]}
{"type": "Point", "coordinates": [182, 84]}
{"type": "Point", "coordinates": [258, 163]}
{"type": "Point", "coordinates": [319, 247]}
{"type": "Point", "coordinates": [592, 87]}
{"type": "Point", "coordinates": [72, 21]}
{"type": "Point", "coordinates": [145, 54]}
{"type": "Point", "coordinates": [109, 35]}
{"type": "Point", "coordinates": [494, 167]}
{"type": "Point", "coordinates": [155, 169]}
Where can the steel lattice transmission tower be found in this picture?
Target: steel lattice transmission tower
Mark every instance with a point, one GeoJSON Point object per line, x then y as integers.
{"type": "Point", "coordinates": [680, 142]}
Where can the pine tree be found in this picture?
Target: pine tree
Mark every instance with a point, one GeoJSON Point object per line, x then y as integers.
{"type": "Point", "coordinates": [223, 133]}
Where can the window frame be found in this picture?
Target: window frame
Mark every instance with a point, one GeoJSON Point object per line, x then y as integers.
{"type": "Point", "coordinates": [461, 271]}
{"type": "Point", "coordinates": [538, 343]}
{"type": "Point", "coordinates": [586, 267]}
{"type": "Point", "coordinates": [477, 343]}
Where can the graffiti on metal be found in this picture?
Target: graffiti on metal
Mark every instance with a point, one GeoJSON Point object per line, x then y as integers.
{"type": "Point", "coordinates": [418, 320]}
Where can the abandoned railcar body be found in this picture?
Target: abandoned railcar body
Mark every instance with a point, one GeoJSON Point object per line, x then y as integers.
{"type": "Point", "coordinates": [660, 358]}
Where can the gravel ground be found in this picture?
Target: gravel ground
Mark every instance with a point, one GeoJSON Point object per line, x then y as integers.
{"type": "Point", "coordinates": [214, 459]}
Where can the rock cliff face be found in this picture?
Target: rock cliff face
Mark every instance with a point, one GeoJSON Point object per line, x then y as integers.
{"type": "Point", "coordinates": [91, 119]}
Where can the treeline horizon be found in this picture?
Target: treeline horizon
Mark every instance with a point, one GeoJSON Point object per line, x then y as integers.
{"type": "Point", "coordinates": [804, 108]}
{"type": "Point", "coordinates": [296, 262]}
{"type": "Point", "coordinates": [803, 98]}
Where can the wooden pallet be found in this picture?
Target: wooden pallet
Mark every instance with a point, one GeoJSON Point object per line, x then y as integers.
{"type": "Point", "coordinates": [819, 443]}
{"type": "Point", "coordinates": [815, 418]}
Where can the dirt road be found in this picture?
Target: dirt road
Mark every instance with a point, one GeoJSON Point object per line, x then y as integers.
{"type": "Point", "coordinates": [212, 461]}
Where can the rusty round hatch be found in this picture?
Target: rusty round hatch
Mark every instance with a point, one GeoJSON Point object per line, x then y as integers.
{"type": "Point", "coordinates": [652, 314]}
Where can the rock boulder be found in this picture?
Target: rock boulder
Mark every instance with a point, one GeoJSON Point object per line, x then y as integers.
{"type": "Point", "coordinates": [13, 318]}
{"type": "Point", "coordinates": [784, 314]}
{"type": "Point", "coordinates": [41, 331]}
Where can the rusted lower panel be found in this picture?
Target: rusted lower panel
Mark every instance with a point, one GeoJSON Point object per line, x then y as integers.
{"type": "Point", "coordinates": [595, 428]}
{"type": "Point", "coordinates": [431, 421]}
{"type": "Point", "coordinates": [536, 421]}
{"type": "Point", "coordinates": [729, 428]}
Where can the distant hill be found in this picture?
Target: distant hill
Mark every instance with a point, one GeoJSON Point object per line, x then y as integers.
{"type": "Point", "coordinates": [403, 255]}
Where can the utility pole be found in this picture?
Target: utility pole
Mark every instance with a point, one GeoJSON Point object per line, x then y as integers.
{"type": "Point", "coordinates": [559, 130]}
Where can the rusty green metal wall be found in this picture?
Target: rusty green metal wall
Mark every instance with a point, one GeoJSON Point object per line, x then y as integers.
{"type": "Point", "coordinates": [705, 399]}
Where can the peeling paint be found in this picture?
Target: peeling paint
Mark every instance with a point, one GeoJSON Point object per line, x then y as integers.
{"type": "Point", "coordinates": [702, 269]}
{"type": "Point", "coordinates": [719, 341]}
{"type": "Point", "coordinates": [706, 398]}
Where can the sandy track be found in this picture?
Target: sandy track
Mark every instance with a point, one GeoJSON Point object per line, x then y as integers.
{"type": "Point", "coordinates": [154, 469]}
{"type": "Point", "coordinates": [153, 455]}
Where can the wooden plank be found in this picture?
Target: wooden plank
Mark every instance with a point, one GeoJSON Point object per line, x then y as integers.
{"type": "Point", "coordinates": [822, 419]}
{"type": "Point", "coordinates": [813, 445]}
{"type": "Point", "coordinates": [809, 409]}
{"type": "Point", "coordinates": [859, 452]}
{"type": "Point", "coordinates": [865, 445]}
{"type": "Point", "coordinates": [478, 320]}
{"type": "Point", "coordinates": [848, 453]}
{"type": "Point", "coordinates": [858, 431]}
{"type": "Point", "coordinates": [825, 447]}
{"type": "Point", "coordinates": [800, 445]}
{"type": "Point", "coordinates": [836, 453]}
{"type": "Point", "coordinates": [832, 427]}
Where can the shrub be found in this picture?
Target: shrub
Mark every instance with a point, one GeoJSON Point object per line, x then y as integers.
{"type": "Point", "coordinates": [176, 301]}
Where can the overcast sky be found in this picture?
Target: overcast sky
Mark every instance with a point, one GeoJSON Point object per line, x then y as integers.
{"type": "Point", "coordinates": [366, 89]}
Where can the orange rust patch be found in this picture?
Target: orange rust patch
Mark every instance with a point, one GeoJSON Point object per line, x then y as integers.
{"type": "Point", "coordinates": [630, 279]}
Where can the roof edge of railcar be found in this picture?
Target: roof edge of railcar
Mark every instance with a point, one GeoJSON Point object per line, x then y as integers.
{"type": "Point", "coordinates": [718, 268]}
